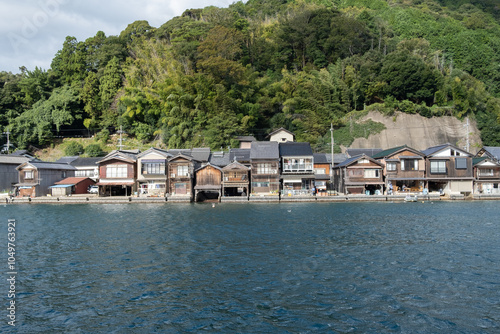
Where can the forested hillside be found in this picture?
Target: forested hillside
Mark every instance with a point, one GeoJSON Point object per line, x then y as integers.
{"type": "Point", "coordinates": [214, 73]}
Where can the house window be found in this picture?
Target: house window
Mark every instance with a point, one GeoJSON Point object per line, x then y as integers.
{"type": "Point", "coordinates": [391, 166]}
{"type": "Point", "coordinates": [116, 171]}
{"type": "Point", "coordinates": [183, 170]}
{"type": "Point", "coordinates": [364, 161]}
{"type": "Point", "coordinates": [320, 171]}
{"type": "Point", "coordinates": [461, 163]}
{"type": "Point", "coordinates": [85, 173]}
{"type": "Point", "coordinates": [485, 172]}
{"type": "Point", "coordinates": [265, 168]}
{"type": "Point", "coordinates": [156, 168]}
{"type": "Point", "coordinates": [355, 172]}
{"type": "Point", "coordinates": [371, 173]}
{"type": "Point", "coordinates": [28, 175]}
{"type": "Point", "coordinates": [409, 164]}
{"type": "Point", "coordinates": [438, 167]}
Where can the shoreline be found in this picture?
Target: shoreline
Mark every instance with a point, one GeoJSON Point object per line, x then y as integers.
{"type": "Point", "coordinates": [82, 199]}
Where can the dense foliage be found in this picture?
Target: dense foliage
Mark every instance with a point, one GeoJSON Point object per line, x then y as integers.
{"type": "Point", "coordinates": [214, 73]}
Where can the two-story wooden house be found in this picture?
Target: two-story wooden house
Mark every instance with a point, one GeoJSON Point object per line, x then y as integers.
{"type": "Point", "coordinates": [152, 172]}
{"type": "Point", "coordinates": [264, 161]}
{"type": "Point", "coordinates": [486, 175]}
{"type": "Point", "coordinates": [9, 175]}
{"type": "Point", "coordinates": [235, 179]}
{"type": "Point", "coordinates": [404, 169]}
{"type": "Point", "coordinates": [359, 175]}
{"type": "Point", "coordinates": [322, 172]}
{"type": "Point", "coordinates": [208, 182]}
{"type": "Point", "coordinates": [297, 168]}
{"type": "Point", "coordinates": [448, 170]}
{"type": "Point", "coordinates": [35, 177]}
{"type": "Point", "coordinates": [118, 174]}
{"type": "Point", "coordinates": [181, 175]}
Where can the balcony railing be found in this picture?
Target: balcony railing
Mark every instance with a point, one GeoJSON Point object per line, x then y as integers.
{"type": "Point", "coordinates": [297, 168]}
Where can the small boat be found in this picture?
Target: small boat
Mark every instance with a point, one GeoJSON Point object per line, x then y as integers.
{"type": "Point", "coordinates": [411, 198]}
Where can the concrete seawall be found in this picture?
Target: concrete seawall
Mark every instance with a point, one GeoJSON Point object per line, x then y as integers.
{"type": "Point", "coordinates": [82, 199]}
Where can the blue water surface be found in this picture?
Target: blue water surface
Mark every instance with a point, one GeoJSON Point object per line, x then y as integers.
{"type": "Point", "coordinates": [255, 268]}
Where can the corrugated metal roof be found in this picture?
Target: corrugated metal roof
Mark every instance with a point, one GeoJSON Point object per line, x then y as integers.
{"type": "Point", "coordinates": [72, 180]}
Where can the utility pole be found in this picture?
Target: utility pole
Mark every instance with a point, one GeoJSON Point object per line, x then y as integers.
{"type": "Point", "coordinates": [467, 134]}
{"type": "Point", "coordinates": [8, 140]}
{"type": "Point", "coordinates": [120, 145]}
{"type": "Point", "coordinates": [333, 144]}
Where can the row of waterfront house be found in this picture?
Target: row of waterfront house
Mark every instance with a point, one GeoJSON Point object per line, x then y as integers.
{"type": "Point", "coordinates": [274, 168]}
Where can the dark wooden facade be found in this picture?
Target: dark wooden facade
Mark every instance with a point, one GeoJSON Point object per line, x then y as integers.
{"type": "Point", "coordinates": [235, 180]}
{"type": "Point", "coordinates": [486, 176]}
{"type": "Point", "coordinates": [359, 175]}
{"type": "Point", "coordinates": [118, 174]}
{"type": "Point", "coordinates": [208, 180]}
{"type": "Point", "coordinates": [180, 175]}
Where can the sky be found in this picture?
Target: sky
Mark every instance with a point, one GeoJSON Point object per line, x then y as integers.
{"type": "Point", "coordinates": [32, 31]}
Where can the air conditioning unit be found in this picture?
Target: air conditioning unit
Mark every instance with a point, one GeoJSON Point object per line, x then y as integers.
{"type": "Point", "coordinates": [172, 175]}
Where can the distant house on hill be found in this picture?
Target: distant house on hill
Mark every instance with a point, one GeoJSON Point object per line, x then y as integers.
{"type": "Point", "coordinates": [281, 135]}
{"type": "Point", "coordinates": [246, 141]}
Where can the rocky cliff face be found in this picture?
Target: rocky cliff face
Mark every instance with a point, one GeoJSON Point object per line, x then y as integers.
{"type": "Point", "coordinates": [420, 133]}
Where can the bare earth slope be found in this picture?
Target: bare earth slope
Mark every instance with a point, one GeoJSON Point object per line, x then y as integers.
{"type": "Point", "coordinates": [419, 132]}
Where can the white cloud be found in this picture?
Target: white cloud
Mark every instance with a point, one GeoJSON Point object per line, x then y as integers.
{"type": "Point", "coordinates": [31, 32]}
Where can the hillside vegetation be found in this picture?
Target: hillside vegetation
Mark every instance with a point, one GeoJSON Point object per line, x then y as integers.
{"type": "Point", "coordinates": [213, 73]}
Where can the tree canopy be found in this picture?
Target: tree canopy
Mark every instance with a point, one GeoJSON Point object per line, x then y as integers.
{"type": "Point", "coordinates": [213, 73]}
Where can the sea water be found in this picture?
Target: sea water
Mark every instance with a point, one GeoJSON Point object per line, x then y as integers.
{"type": "Point", "coordinates": [430, 267]}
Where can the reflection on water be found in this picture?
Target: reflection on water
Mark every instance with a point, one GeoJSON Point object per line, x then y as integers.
{"type": "Point", "coordinates": [258, 268]}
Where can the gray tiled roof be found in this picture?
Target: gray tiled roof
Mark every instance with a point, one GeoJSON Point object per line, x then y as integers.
{"type": "Point", "coordinates": [239, 154]}
{"type": "Point", "coordinates": [201, 154]}
{"type": "Point", "coordinates": [51, 165]}
{"type": "Point", "coordinates": [322, 158]}
{"type": "Point", "coordinates": [12, 160]}
{"type": "Point", "coordinates": [264, 150]}
{"type": "Point", "coordinates": [493, 151]}
{"type": "Point", "coordinates": [84, 162]}
{"type": "Point", "coordinates": [67, 159]}
{"type": "Point", "coordinates": [220, 159]}
{"type": "Point", "coordinates": [290, 149]}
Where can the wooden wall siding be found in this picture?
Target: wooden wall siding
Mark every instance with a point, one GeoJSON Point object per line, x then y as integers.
{"type": "Point", "coordinates": [406, 173]}
{"type": "Point", "coordinates": [237, 176]}
{"type": "Point", "coordinates": [358, 175]}
{"type": "Point", "coordinates": [22, 179]}
{"type": "Point", "coordinates": [208, 176]}
{"type": "Point", "coordinates": [325, 166]}
{"type": "Point", "coordinates": [496, 173]}
{"type": "Point", "coordinates": [451, 171]}
{"type": "Point", "coordinates": [274, 167]}
{"type": "Point", "coordinates": [131, 168]}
